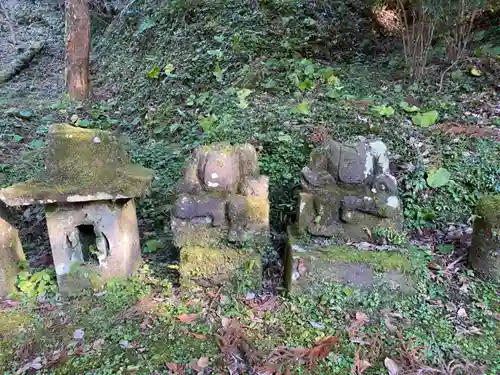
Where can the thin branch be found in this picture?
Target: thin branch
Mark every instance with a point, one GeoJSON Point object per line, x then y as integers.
{"type": "Point", "coordinates": [463, 44]}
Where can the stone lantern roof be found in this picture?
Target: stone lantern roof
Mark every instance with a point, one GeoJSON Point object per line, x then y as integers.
{"type": "Point", "coordinates": [81, 165]}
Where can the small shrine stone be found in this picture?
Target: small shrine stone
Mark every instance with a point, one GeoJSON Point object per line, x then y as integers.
{"type": "Point", "coordinates": [347, 193]}
{"type": "Point", "coordinates": [88, 189]}
{"type": "Point", "coordinates": [222, 205]}
{"type": "Point", "coordinates": [11, 252]}
{"type": "Point", "coordinates": [484, 255]}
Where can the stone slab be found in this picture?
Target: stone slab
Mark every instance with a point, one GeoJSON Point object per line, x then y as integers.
{"type": "Point", "coordinates": [312, 266]}
{"type": "Point", "coordinates": [234, 270]}
{"type": "Point", "coordinates": [116, 251]}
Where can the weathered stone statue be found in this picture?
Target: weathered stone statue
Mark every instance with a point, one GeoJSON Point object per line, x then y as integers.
{"type": "Point", "coordinates": [349, 191]}
{"type": "Point", "coordinates": [87, 187]}
{"type": "Point", "coordinates": [484, 255]}
{"type": "Point", "coordinates": [221, 197]}
{"type": "Point", "coordinates": [348, 194]}
{"type": "Point", "coordinates": [222, 201]}
{"type": "Point", "coordinates": [11, 252]}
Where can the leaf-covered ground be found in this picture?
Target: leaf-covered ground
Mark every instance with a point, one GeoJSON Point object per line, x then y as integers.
{"type": "Point", "coordinates": [284, 76]}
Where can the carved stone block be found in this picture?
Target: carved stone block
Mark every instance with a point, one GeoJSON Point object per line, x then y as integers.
{"type": "Point", "coordinates": [222, 205]}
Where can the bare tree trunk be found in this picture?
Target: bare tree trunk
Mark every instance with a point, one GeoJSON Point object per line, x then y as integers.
{"type": "Point", "coordinates": [77, 49]}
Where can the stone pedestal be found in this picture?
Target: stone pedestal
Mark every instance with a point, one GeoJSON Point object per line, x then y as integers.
{"type": "Point", "coordinates": [88, 187]}
{"type": "Point", "coordinates": [93, 242]}
{"type": "Point", "coordinates": [11, 252]}
{"type": "Point", "coordinates": [312, 266]}
{"type": "Point", "coordinates": [220, 219]}
{"type": "Point", "coordinates": [484, 256]}
{"type": "Point", "coordinates": [235, 270]}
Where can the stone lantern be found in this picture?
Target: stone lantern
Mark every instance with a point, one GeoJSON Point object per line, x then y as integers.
{"type": "Point", "coordinates": [88, 189]}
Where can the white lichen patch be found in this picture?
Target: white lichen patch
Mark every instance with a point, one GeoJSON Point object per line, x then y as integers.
{"type": "Point", "coordinates": [368, 164]}
{"type": "Point", "coordinates": [212, 184]}
{"type": "Point", "coordinates": [298, 248]}
{"type": "Point", "coordinates": [214, 175]}
{"type": "Point", "coordinates": [302, 205]}
{"type": "Point", "coordinates": [393, 201]}
{"type": "Point", "coordinates": [94, 197]}
{"type": "Point", "coordinates": [379, 151]}
{"type": "Point", "coordinates": [62, 269]}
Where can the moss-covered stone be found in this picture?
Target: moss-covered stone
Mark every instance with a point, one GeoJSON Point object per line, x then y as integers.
{"type": "Point", "coordinates": [81, 165]}
{"type": "Point", "coordinates": [312, 267]}
{"type": "Point", "coordinates": [257, 209]}
{"type": "Point", "coordinates": [484, 255]}
{"type": "Point", "coordinates": [234, 270]}
{"type": "Point", "coordinates": [11, 253]}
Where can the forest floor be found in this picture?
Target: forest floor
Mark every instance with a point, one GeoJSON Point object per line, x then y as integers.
{"type": "Point", "coordinates": [171, 81]}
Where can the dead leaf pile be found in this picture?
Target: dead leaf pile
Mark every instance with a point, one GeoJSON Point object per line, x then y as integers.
{"type": "Point", "coordinates": [197, 365]}
{"type": "Point", "coordinates": [236, 351]}
{"type": "Point", "coordinates": [262, 305]}
{"type": "Point", "coordinates": [456, 128]}
{"type": "Point", "coordinates": [282, 359]}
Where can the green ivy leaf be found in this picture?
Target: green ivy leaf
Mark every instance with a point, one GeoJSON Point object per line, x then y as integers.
{"type": "Point", "coordinates": [309, 70]}
{"type": "Point", "coordinates": [146, 24]}
{"type": "Point", "coordinates": [425, 119]}
{"type": "Point", "coordinates": [383, 110]}
{"type": "Point", "coordinates": [36, 144]}
{"type": "Point", "coordinates": [333, 94]}
{"type": "Point", "coordinates": [284, 138]}
{"type": "Point", "coordinates": [445, 248]}
{"type": "Point", "coordinates": [408, 108]}
{"type": "Point", "coordinates": [304, 85]}
{"type": "Point", "coordinates": [153, 246]}
{"type": "Point", "coordinates": [17, 138]}
{"type": "Point", "coordinates": [218, 73]}
{"type": "Point", "coordinates": [303, 108]}
{"type": "Point", "coordinates": [169, 68]}
{"type": "Point", "coordinates": [438, 178]}
{"type": "Point", "coordinates": [243, 93]}
{"type": "Point", "coordinates": [333, 81]}
{"type": "Point", "coordinates": [83, 123]}
{"type": "Point", "coordinates": [154, 73]}
{"type": "Point", "coordinates": [475, 72]}
{"type": "Point", "coordinates": [457, 75]}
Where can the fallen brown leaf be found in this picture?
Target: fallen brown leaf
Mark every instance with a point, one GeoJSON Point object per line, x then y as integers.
{"type": "Point", "coordinates": [361, 320]}
{"type": "Point", "coordinates": [175, 368]}
{"type": "Point", "coordinates": [360, 365]}
{"type": "Point", "coordinates": [391, 366]}
{"type": "Point", "coordinates": [202, 363]}
{"type": "Point", "coordinates": [187, 318]}
{"type": "Point", "coordinates": [198, 336]}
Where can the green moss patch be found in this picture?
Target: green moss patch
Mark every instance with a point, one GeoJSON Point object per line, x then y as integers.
{"type": "Point", "coordinates": [378, 260]}
{"type": "Point", "coordinates": [313, 267]}
{"type": "Point", "coordinates": [489, 208]}
{"type": "Point", "coordinates": [82, 162]}
{"type": "Point", "coordinates": [236, 270]}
